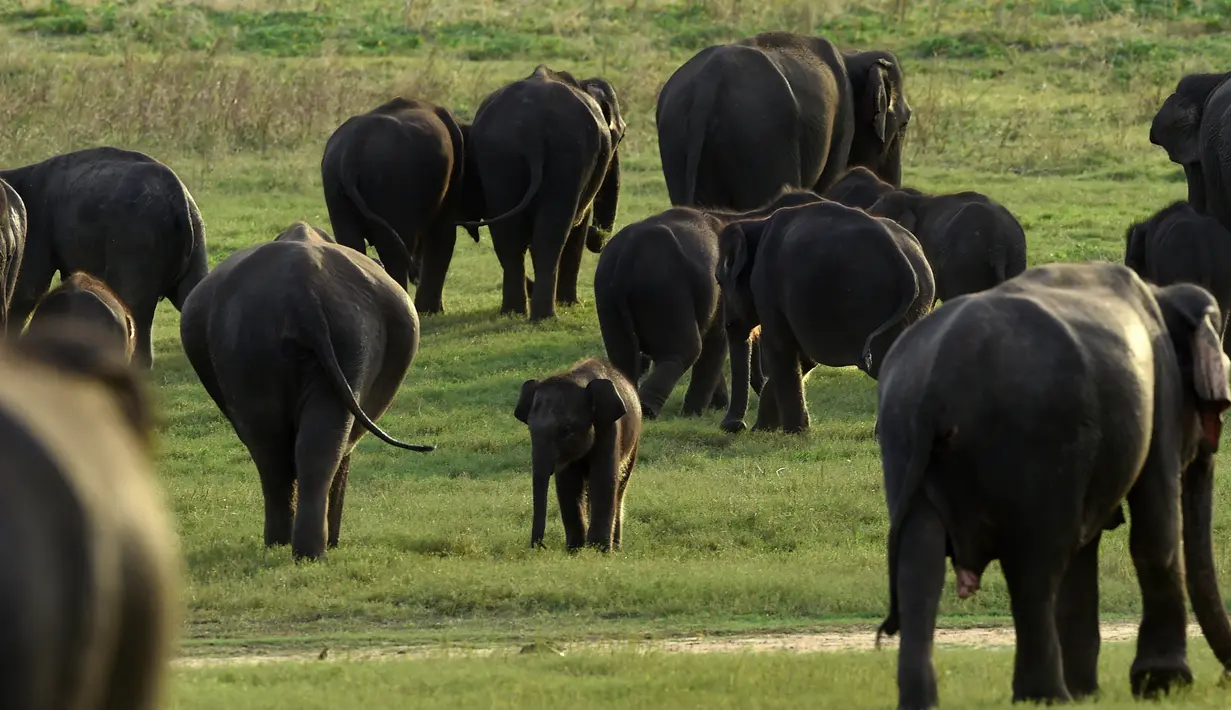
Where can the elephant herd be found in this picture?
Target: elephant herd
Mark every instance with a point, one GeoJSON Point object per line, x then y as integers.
{"type": "Point", "coordinates": [1014, 420]}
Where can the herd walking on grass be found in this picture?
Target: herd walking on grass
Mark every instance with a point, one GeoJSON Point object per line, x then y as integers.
{"type": "Point", "coordinates": [1021, 411]}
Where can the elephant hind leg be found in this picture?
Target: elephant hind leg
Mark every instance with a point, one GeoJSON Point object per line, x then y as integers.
{"type": "Point", "coordinates": [707, 374]}
{"type": "Point", "coordinates": [920, 579]}
{"type": "Point", "coordinates": [667, 370]}
{"type": "Point", "coordinates": [1078, 622]}
{"type": "Point", "coordinates": [1033, 574]}
{"type": "Point", "coordinates": [320, 443]}
{"type": "Point", "coordinates": [273, 453]}
{"type": "Point", "coordinates": [337, 494]}
{"type": "Point", "coordinates": [509, 239]}
{"type": "Point", "coordinates": [570, 265]}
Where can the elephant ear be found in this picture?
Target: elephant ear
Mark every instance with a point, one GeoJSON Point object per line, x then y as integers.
{"type": "Point", "coordinates": [604, 94]}
{"type": "Point", "coordinates": [606, 404]}
{"type": "Point", "coordinates": [1199, 339]}
{"type": "Point", "coordinates": [1135, 249]}
{"type": "Point", "coordinates": [876, 96]}
{"type": "Point", "coordinates": [736, 249]}
{"type": "Point", "coordinates": [525, 401]}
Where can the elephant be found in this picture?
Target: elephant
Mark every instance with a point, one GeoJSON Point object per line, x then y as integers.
{"type": "Point", "coordinates": [348, 330]}
{"type": "Point", "coordinates": [1179, 245]}
{"type": "Point", "coordinates": [829, 285]}
{"type": "Point", "coordinates": [584, 425]}
{"type": "Point", "coordinates": [1194, 127]}
{"type": "Point", "coordinates": [971, 241]}
{"type": "Point", "coordinates": [394, 177]}
{"type": "Point", "coordinates": [118, 215]}
{"type": "Point", "coordinates": [13, 223]}
{"type": "Point", "coordinates": [92, 577]}
{"type": "Point", "coordinates": [546, 153]}
{"type": "Point", "coordinates": [1012, 424]}
{"type": "Point", "coordinates": [817, 112]}
{"type": "Point", "coordinates": [656, 293]}
{"type": "Point", "coordinates": [860, 187]}
{"type": "Point", "coordinates": [82, 297]}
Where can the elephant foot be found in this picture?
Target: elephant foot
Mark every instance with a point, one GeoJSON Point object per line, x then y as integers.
{"type": "Point", "coordinates": [692, 411]}
{"type": "Point", "coordinates": [733, 426]}
{"type": "Point", "coordinates": [1150, 680]}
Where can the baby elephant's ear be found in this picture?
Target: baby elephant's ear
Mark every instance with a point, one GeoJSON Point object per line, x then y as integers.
{"type": "Point", "coordinates": [606, 404]}
{"type": "Point", "coordinates": [522, 410]}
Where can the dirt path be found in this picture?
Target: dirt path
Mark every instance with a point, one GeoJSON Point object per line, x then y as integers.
{"type": "Point", "coordinates": [831, 641]}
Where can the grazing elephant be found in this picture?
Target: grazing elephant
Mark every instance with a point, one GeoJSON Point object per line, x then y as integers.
{"type": "Point", "coordinates": [657, 295]}
{"type": "Point", "coordinates": [13, 222]}
{"type": "Point", "coordinates": [584, 428]}
{"type": "Point", "coordinates": [394, 178]}
{"type": "Point", "coordinates": [92, 570]}
{"type": "Point", "coordinates": [1012, 423]}
{"type": "Point", "coordinates": [118, 215]}
{"type": "Point", "coordinates": [817, 112]}
{"type": "Point", "coordinates": [82, 297]}
{"type": "Point", "coordinates": [546, 152]}
{"type": "Point", "coordinates": [1178, 245]}
{"type": "Point", "coordinates": [971, 241]}
{"type": "Point", "coordinates": [829, 285]}
{"type": "Point", "coordinates": [349, 332]}
{"type": "Point", "coordinates": [860, 187]}
{"type": "Point", "coordinates": [1194, 127]}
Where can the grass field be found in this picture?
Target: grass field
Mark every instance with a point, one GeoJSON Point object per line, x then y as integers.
{"type": "Point", "coordinates": [1043, 105]}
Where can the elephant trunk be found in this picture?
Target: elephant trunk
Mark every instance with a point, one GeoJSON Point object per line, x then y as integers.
{"type": "Point", "coordinates": [1198, 498]}
{"type": "Point", "coordinates": [543, 464]}
{"type": "Point", "coordinates": [739, 345]}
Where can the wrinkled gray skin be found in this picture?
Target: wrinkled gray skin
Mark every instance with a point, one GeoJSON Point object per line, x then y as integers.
{"type": "Point", "coordinates": [585, 425]}
{"type": "Point", "coordinates": [1178, 245]}
{"type": "Point", "coordinates": [82, 298]}
{"type": "Point", "coordinates": [860, 187]}
{"type": "Point", "coordinates": [971, 241]}
{"type": "Point", "coordinates": [118, 215]}
{"type": "Point", "coordinates": [739, 122]}
{"type": "Point", "coordinates": [394, 178]}
{"type": "Point", "coordinates": [545, 150]}
{"type": "Point", "coordinates": [1012, 424]}
{"type": "Point", "coordinates": [302, 343]}
{"type": "Point", "coordinates": [656, 294]}
{"type": "Point", "coordinates": [13, 222]}
{"type": "Point", "coordinates": [1194, 127]}
{"type": "Point", "coordinates": [92, 570]}
{"type": "Point", "coordinates": [829, 285]}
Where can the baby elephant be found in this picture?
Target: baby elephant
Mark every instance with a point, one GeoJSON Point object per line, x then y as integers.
{"type": "Point", "coordinates": [584, 427]}
{"type": "Point", "coordinates": [82, 297]}
{"type": "Point", "coordinates": [972, 242]}
{"type": "Point", "coordinates": [860, 187]}
{"type": "Point", "coordinates": [1180, 245]}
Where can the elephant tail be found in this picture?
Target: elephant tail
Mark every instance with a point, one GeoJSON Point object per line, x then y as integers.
{"type": "Point", "coordinates": [536, 160]}
{"type": "Point", "coordinates": [197, 267]}
{"type": "Point", "coordinates": [697, 125]}
{"type": "Point", "coordinates": [916, 467]}
{"type": "Point", "coordinates": [350, 186]}
{"type": "Point", "coordinates": [615, 315]}
{"type": "Point", "coordinates": [911, 294]}
{"type": "Point", "coordinates": [322, 345]}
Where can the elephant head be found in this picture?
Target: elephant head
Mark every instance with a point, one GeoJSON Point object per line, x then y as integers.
{"type": "Point", "coordinates": [303, 232]}
{"type": "Point", "coordinates": [737, 249]}
{"type": "Point", "coordinates": [1177, 128]}
{"type": "Point", "coordinates": [881, 113]}
{"type": "Point", "coordinates": [1192, 317]}
{"type": "Point", "coordinates": [900, 206]}
{"type": "Point", "coordinates": [562, 415]}
{"type": "Point", "coordinates": [607, 199]}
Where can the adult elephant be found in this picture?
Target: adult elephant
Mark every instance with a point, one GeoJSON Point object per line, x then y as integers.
{"type": "Point", "coordinates": [739, 122]}
{"type": "Point", "coordinates": [829, 285]}
{"type": "Point", "coordinates": [115, 214]}
{"type": "Point", "coordinates": [394, 177]}
{"type": "Point", "coordinates": [971, 241]}
{"type": "Point", "coordinates": [1012, 424]}
{"type": "Point", "coordinates": [656, 294]}
{"type": "Point", "coordinates": [546, 149]}
{"type": "Point", "coordinates": [1178, 245]}
{"type": "Point", "coordinates": [13, 223]}
{"type": "Point", "coordinates": [92, 567]}
{"type": "Point", "coordinates": [349, 332]}
{"type": "Point", "coordinates": [1194, 127]}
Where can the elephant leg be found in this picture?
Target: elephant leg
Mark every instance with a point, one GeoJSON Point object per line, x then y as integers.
{"type": "Point", "coordinates": [570, 493]}
{"type": "Point", "coordinates": [786, 373]}
{"type": "Point", "coordinates": [1154, 541]}
{"type": "Point", "coordinates": [617, 536]}
{"type": "Point", "coordinates": [272, 454]}
{"type": "Point", "coordinates": [756, 374]}
{"type": "Point", "coordinates": [768, 414]}
{"type": "Point", "coordinates": [667, 370]}
{"type": "Point", "coordinates": [737, 347]}
{"type": "Point", "coordinates": [510, 245]}
{"type": "Point", "coordinates": [707, 374]}
{"type": "Point", "coordinates": [436, 253]}
{"type": "Point", "coordinates": [1077, 621]}
{"type": "Point", "coordinates": [553, 225]}
{"type": "Point", "coordinates": [570, 265]}
{"type": "Point", "coordinates": [337, 495]}
{"type": "Point", "coordinates": [1033, 574]}
{"type": "Point", "coordinates": [602, 490]}
{"type": "Point", "coordinates": [920, 581]}
{"type": "Point", "coordinates": [324, 428]}
{"type": "Point", "coordinates": [143, 322]}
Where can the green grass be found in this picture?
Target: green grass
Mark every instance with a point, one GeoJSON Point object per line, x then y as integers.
{"type": "Point", "coordinates": [625, 679]}
{"type": "Point", "coordinates": [1044, 106]}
